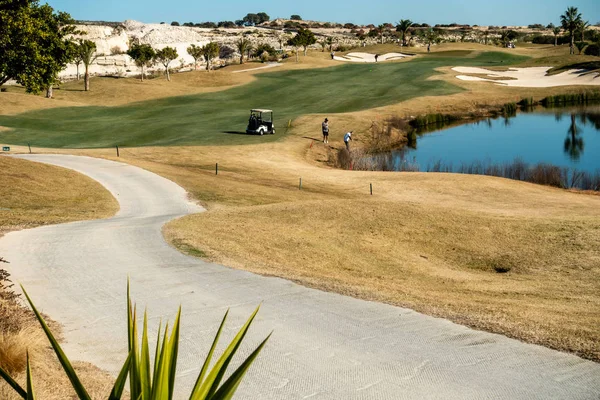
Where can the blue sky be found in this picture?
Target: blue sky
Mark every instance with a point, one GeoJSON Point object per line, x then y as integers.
{"type": "Point", "coordinates": [507, 12]}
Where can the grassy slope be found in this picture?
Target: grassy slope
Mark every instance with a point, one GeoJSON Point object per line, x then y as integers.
{"type": "Point", "coordinates": [204, 118]}
{"type": "Point", "coordinates": [429, 241]}
{"type": "Point", "coordinates": [33, 194]}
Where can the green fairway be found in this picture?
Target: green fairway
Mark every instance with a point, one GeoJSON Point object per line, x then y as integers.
{"type": "Point", "coordinates": [215, 118]}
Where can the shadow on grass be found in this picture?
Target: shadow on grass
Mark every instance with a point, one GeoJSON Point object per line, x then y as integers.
{"type": "Point", "coordinates": [236, 132]}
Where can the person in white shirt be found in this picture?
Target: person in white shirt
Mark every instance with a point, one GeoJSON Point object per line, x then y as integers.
{"type": "Point", "coordinates": [347, 139]}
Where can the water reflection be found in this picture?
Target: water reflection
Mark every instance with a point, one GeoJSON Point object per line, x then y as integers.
{"type": "Point", "coordinates": [566, 138]}
{"type": "Point", "coordinates": [574, 142]}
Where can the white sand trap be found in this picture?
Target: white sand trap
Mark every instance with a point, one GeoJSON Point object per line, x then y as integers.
{"type": "Point", "coordinates": [530, 77]}
{"type": "Point", "coordinates": [269, 65]}
{"type": "Point", "coordinates": [370, 58]}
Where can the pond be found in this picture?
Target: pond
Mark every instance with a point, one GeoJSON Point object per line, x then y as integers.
{"type": "Point", "coordinates": [566, 138]}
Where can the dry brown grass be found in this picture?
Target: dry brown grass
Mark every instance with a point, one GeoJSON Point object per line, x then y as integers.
{"type": "Point", "coordinates": [432, 242]}
{"type": "Point", "coordinates": [35, 194]}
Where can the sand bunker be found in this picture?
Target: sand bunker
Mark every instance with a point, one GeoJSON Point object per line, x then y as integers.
{"type": "Point", "coordinates": [370, 58]}
{"type": "Point", "coordinates": [530, 77]}
{"type": "Point", "coordinates": [269, 65]}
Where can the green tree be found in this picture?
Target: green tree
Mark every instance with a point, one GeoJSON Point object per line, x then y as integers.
{"type": "Point", "coordinates": [34, 44]}
{"type": "Point", "coordinates": [210, 51]}
{"type": "Point", "coordinates": [86, 50]}
{"type": "Point", "coordinates": [263, 17]}
{"type": "Point", "coordinates": [403, 27]}
{"type": "Point", "coordinates": [75, 57]}
{"type": "Point", "coordinates": [251, 19]}
{"type": "Point", "coordinates": [304, 38]}
{"type": "Point", "coordinates": [243, 45]}
{"type": "Point", "coordinates": [165, 56]}
{"type": "Point", "coordinates": [570, 21]}
{"type": "Point", "coordinates": [196, 53]}
{"type": "Point", "coordinates": [143, 56]}
{"type": "Point", "coordinates": [556, 31]}
{"type": "Point", "coordinates": [293, 41]}
{"type": "Point", "coordinates": [296, 17]}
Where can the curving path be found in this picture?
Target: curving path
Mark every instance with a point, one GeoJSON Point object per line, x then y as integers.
{"type": "Point", "coordinates": [325, 346]}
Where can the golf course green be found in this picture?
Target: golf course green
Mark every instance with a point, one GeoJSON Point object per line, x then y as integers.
{"type": "Point", "coordinates": [215, 118]}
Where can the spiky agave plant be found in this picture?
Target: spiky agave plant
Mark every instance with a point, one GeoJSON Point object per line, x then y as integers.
{"type": "Point", "coordinates": [157, 381]}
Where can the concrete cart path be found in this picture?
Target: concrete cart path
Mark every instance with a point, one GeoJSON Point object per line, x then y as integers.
{"type": "Point", "coordinates": [324, 346]}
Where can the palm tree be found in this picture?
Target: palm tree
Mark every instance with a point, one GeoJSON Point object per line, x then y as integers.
{"type": "Point", "coordinates": [570, 21]}
{"type": "Point", "coordinates": [330, 41]}
{"type": "Point", "coordinates": [243, 45]}
{"type": "Point", "coordinates": [381, 29]}
{"type": "Point", "coordinates": [486, 34]}
{"type": "Point", "coordinates": [556, 30]}
{"type": "Point", "coordinates": [87, 53]}
{"type": "Point", "coordinates": [583, 25]}
{"type": "Point", "coordinates": [430, 37]}
{"type": "Point", "coordinates": [403, 27]}
{"type": "Point", "coordinates": [505, 37]}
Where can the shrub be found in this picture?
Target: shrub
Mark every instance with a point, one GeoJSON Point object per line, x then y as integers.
{"type": "Point", "coordinates": [116, 50]}
{"type": "Point", "coordinates": [575, 98]}
{"type": "Point", "coordinates": [265, 47]}
{"type": "Point", "coordinates": [580, 46]}
{"type": "Point", "coordinates": [549, 39]}
{"type": "Point", "coordinates": [226, 52]}
{"type": "Point", "coordinates": [501, 268]}
{"type": "Point", "coordinates": [509, 109]}
{"type": "Point", "coordinates": [592, 50]}
{"type": "Point", "coordinates": [527, 102]}
{"type": "Point", "coordinates": [431, 119]}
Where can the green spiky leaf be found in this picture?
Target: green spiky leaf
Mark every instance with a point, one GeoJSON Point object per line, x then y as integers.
{"type": "Point", "coordinates": [13, 384]}
{"type": "Point", "coordinates": [204, 370]}
{"type": "Point", "coordinates": [213, 379]}
{"type": "Point", "coordinates": [64, 361]}
{"type": "Point", "coordinates": [227, 390]}
{"type": "Point", "coordinates": [30, 392]}
{"type": "Point", "coordinates": [119, 386]}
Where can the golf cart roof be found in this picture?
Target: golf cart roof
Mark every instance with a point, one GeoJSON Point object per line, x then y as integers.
{"type": "Point", "coordinates": [261, 110]}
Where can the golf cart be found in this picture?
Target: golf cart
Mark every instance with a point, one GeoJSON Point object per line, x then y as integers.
{"type": "Point", "coordinates": [261, 122]}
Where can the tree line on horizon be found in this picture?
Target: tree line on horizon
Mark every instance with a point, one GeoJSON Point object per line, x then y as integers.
{"type": "Point", "coordinates": [37, 42]}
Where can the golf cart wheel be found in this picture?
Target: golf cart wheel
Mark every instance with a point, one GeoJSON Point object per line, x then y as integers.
{"type": "Point", "coordinates": [273, 132]}
{"type": "Point", "coordinates": [262, 132]}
